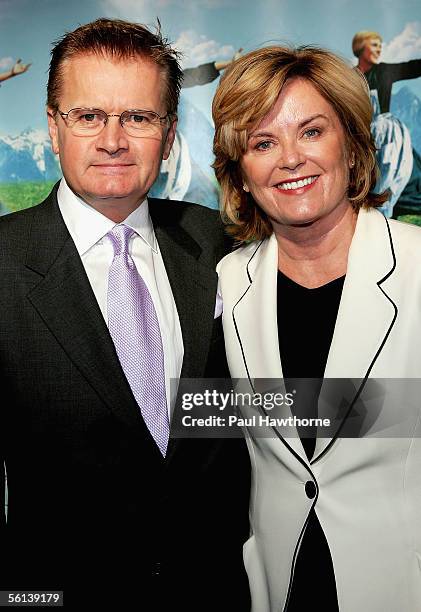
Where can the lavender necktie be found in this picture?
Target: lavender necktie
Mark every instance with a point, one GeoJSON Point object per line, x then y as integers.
{"type": "Point", "coordinates": [134, 328]}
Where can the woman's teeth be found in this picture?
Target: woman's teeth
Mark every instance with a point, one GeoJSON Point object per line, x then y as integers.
{"type": "Point", "coordinates": [297, 184]}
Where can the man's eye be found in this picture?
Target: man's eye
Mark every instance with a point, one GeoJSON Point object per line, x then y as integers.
{"type": "Point", "coordinates": [88, 117]}
{"type": "Point", "coordinates": [139, 119]}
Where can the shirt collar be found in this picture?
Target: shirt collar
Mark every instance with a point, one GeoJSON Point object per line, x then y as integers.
{"type": "Point", "coordinates": [87, 226]}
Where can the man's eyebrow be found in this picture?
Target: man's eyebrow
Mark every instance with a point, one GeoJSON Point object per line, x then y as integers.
{"type": "Point", "coordinates": [264, 134]}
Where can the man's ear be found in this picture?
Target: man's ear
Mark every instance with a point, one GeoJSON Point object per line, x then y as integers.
{"type": "Point", "coordinates": [53, 130]}
{"type": "Point", "coordinates": [169, 139]}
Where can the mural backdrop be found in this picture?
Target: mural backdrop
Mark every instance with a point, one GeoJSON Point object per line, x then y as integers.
{"type": "Point", "coordinates": [210, 33]}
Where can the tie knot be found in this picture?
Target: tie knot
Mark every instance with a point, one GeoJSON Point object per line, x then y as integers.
{"type": "Point", "coordinates": [120, 236]}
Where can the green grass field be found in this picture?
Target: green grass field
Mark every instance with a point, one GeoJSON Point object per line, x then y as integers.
{"type": "Point", "coordinates": [17, 196]}
{"type": "Point", "coordinates": [414, 219]}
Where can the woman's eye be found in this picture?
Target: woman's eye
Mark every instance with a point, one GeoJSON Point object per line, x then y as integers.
{"type": "Point", "coordinates": [263, 146]}
{"type": "Point", "coordinates": [311, 132]}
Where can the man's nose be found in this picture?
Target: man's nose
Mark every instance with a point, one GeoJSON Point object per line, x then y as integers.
{"type": "Point", "coordinates": [112, 138]}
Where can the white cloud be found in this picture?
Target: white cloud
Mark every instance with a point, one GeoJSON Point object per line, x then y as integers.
{"type": "Point", "coordinates": [138, 9]}
{"type": "Point", "coordinates": [405, 46]}
{"type": "Point", "coordinates": [6, 62]}
{"type": "Point", "coordinates": [198, 49]}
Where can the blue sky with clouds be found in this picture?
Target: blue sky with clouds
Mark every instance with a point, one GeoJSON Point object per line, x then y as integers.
{"type": "Point", "coordinates": [203, 29]}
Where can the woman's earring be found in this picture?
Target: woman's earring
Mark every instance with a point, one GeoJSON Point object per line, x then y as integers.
{"type": "Point", "coordinates": [246, 188]}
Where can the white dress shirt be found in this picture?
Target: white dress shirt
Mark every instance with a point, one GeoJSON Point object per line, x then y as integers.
{"type": "Point", "coordinates": [88, 229]}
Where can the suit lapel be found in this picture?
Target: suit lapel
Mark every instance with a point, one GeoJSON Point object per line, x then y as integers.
{"type": "Point", "coordinates": [65, 301]}
{"type": "Point", "coordinates": [256, 324]}
{"type": "Point", "coordinates": [193, 285]}
{"type": "Point", "coordinates": [365, 319]}
{"type": "Point", "coordinates": [255, 313]}
{"type": "Point", "coordinates": [194, 289]}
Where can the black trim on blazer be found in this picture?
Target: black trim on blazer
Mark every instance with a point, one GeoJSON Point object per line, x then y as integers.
{"type": "Point", "coordinates": [233, 316]}
{"type": "Point", "coordinates": [297, 546]}
{"type": "Point", "coordinates": [248, 373]}
{"type": "Point", "coordinates": [379, 350]}
{"type": "Point", "coordinates": [296, 455]}
{"type": "Point", "coordinates": [248, 263]}
{"type": "Point", "coordinates": [239, 340]}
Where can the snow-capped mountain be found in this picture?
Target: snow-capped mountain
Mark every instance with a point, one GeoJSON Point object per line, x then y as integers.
{"type": "Point", "coordinates": [407, 107]}
{"type": "Point", "coordinates": [28, 157]}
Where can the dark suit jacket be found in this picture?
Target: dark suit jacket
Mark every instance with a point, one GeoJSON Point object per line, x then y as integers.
{"type": "Point", "coordinates": [94, 509]}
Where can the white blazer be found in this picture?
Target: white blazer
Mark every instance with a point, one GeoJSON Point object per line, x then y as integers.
{"type": "Point", "coordinates": [367, 488]}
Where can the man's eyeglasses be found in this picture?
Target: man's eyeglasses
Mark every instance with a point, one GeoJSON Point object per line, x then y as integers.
{"type": "Point", "coordinates": [91, 121]}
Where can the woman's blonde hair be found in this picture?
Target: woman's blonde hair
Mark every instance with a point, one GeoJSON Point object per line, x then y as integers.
{"type": "Point", "coordinates": [360, 38]}
{"type": "Point", "coordinates": [246, 94]}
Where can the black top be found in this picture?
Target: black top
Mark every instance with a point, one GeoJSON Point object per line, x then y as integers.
{"type": "Point", "coordinates": [382, 76]}
{"type": "Point", "coordinates": [306, 321]}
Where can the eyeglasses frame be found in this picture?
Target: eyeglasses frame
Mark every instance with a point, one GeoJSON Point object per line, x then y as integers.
{"type": "Point", "coordinates": [162, 119]}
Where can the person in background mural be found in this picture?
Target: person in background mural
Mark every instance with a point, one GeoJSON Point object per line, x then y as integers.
{"type": "Point", "coordinates": [182, 176]}
{"type": "Point", "coordinates": [399, 163]}
{"type": "Point", "coordinates": [17, 68]}
{"type": "Point", "coordinates": [206, 73]}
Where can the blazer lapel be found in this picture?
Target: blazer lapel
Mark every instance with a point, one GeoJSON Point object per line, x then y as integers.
{"type": "Point", "coordinates": [65, 301]}
{"type": "Point", "coordinates": [365, 319]}
{"type": "Point", "coordinates": [255, 313]}
{"type": "Point", "coordinates": [255, 318]}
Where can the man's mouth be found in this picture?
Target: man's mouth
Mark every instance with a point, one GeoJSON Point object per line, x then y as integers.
{"type": "Point", "coordinates": [110, 165]}
{"type": "Point", "coordinates": [299, 183]}
{"type": "Point", "coordinates": [112, 168]}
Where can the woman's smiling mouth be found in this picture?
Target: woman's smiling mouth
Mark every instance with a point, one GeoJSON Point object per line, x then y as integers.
{"type": "Point", "coordinates": [297, 186]}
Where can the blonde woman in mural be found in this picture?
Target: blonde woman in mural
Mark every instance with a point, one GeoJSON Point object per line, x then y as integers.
{"type": "Point", "coordinates": [399, 163]}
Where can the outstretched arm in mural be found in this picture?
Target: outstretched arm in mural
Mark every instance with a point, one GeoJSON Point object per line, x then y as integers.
{"type": "Point", "coordinates": [17, 68]}
{"type": "Point", "coordinates": [399, 163]}
{"type": "Point", "coordinates": [206, 73]}
{"type": "Point", "coordinates": [367, 47]}
{"type": "Point", "coordinates": [184, 175]}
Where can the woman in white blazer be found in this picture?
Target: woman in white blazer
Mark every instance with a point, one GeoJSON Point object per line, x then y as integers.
{"type": "Point", "coordinates": [322, 287]}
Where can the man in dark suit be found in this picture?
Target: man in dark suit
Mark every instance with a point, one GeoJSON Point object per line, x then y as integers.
{"type": "Point", "coordinates": [106, 297]}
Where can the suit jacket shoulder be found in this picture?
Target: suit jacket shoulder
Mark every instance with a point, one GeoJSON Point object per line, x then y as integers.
{"type": "Point", "coordinates": [194, 222]}
{"type": "Point", "coordinates": [34, 236]}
